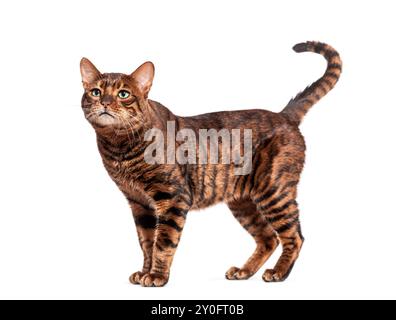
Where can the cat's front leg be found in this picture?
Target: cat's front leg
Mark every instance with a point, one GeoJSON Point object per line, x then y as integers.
{"type": "Point", "coordinates": [171, 219]}
{"type": "Point", "coordinates": [146, 221]}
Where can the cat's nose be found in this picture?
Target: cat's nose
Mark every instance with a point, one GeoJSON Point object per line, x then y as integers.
{"type": "Point", "coordinates": [107, 100]}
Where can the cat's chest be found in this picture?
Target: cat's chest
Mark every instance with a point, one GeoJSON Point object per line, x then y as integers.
{"type": "Point", "coordinates": [121, 172]}
{"type": "Point", "coordinates": [122, 161]}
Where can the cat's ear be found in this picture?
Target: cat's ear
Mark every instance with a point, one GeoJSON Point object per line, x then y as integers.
{"type": "Point", "coordinates": [89, 73]}
{"type": "Point", "coordinates": [143, 77]}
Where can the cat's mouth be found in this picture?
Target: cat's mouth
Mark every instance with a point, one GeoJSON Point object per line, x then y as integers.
{"type": "Point", "coordinates": [105, 113]}
{"type": "Point", "coordinates": [102, 119]}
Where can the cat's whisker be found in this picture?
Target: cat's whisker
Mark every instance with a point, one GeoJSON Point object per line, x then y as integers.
{"type": "Point", "coordinates": [133, 129]}
{"type": "Point", "coordinates": [126, 122]}
{"type": "Point", "coordinates": [127, 132]}
{"type": "Point", "coordinates": [130, 127]}
{"type": "Point", "coordinates": [137, 119]}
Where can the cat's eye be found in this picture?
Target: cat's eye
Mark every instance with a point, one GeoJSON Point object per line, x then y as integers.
{"type": "Point", "coordinates": [123, 94]}
{"type": "Point", "coordinates": [95, 92]}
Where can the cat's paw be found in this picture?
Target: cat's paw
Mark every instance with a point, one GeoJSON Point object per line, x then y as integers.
{"type": "Point", "coordinates": [136, 277]}
{"type": "Point", "coordinates": [154, 280]}
{"type": "Point", "coordinates": [271, 275]}
{"type": "Point", "coordinates": [235, 273]}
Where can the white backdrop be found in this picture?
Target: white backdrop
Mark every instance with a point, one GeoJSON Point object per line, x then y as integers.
{"type": "Point", "coordinates": [65, 229]}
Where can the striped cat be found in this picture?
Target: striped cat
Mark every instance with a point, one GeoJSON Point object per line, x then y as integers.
{"type": "Point", "coordinates": [161, 194]}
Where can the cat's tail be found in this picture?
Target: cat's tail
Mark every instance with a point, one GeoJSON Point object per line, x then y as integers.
{"type": "Point", "coordinates": [299, 106]}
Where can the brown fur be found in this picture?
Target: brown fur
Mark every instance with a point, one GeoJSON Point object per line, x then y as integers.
{"type": "Point", "coordinates": [160, 195]}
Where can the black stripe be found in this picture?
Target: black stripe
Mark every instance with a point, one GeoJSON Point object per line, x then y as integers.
{"type": "Point", "coordinates": [160, 265]}
{"type": "Point", "coordinates": [270, 124]}
{"type": "Point", "coordinates": [256, 222]}
{"type": "Point", "coordinates": [177, 212]}
{"type": "Point", "coordinates": [321, 87]}
{"type": "Point", "coordinates": [334, 66]}
{"type": "Point", "coordinates": [171, 223]}
{"type": "Point", "coordinates": [146, 221]}
{"type": "Point", "coordinates": [202, 190]}
{"type": "Point", "coordinates": [159, 262]}
{"type": "Point", "coordinates": [122, 151]}
{"type": "Point", "coordinates": [225, 180]}
{"type": "Point", "coordinates": [110, 156]}
{"type": "Point", "coordinates": [141, 168]}
{"type": "Point", "coordinates": [157, 178]}
{"type": "Point", "coordinates": [162, 196]}
{"type": "Point", "coordinates": [327, 81]}
{"type": "Point", "coordinates": [186, 198]}
{"type": "Point", "coordinates": [134, 154]}
{"type": "Point", "coordinates": [266, 195]}
{"type": "Point", "coordinates": [290, 184]}
{"type": "Point", "coordinates": [309, 101]}
{"type": "Point", "coordinates": [286, 168]}
{"type": "Point", "coordinates": [299, 232]}
{"type": "Point", "coordinates": [114, 145]}
{"type": "Point", "coordinates": [287, 226]}
{"type": "Point", "coordinates": [313, 86]}
{"type": "Point", "coordinates": [330, 54]}
{"type": "Point", "coordinates": [243, 185]}
{"type": "Point", "coordinates": [317, 96]}
{"type": "Point", "coordinates": [274, 201]}
{"type": "Point", "coordinates": [187, 177]}
{"type": "Point", "coordinates": [109, 148]}
{"type": "Point", "coordinates": [281, 208]}
{"type": "Point", "coordinates": [238, 179]}
{"type": "Point", "coordinates": [138, 161]}
{"type": "Point", "coordinates": [289, 270]}
{"type": "Point", "coordinates": [159, 247]}
{"type": "Point", "coordinates": [168, 242]}
{"type": "Point", "coordinates": [332, 75]}
{"type": "Point", "coordinates": [213, 185]}
{"type": "Point", "coordinates": [319, 47]}
{"type": "Point", "coordinates": [114, 151]}
{"type": "Point", "coordinates": [192, 172]}
{"type": "Point", "coordinates": [282, 217]}
{"type": "Point", "coordinates": [234, 186]}
{"type": "Point", "coordinates": [255, 165]}
{"type": "Point", "coordinates": [138, 105]}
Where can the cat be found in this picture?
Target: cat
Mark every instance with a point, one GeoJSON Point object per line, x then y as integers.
{"type": "Point", "coordinates": [161, 194]}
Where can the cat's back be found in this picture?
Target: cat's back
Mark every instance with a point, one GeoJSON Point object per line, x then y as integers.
{"type": "Point", "coordinates": [258, 120]}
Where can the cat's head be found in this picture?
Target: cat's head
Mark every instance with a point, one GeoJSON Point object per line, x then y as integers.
{"type": "Point", "coordinates": [115, 101]}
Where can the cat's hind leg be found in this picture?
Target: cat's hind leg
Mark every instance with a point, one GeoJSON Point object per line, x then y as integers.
{"type": "Point", "coordinates": [275, 199]}
{"type": "Point", "coordinates": [245, 211]}
{"type": "Point", "coordinates": [287, 225]}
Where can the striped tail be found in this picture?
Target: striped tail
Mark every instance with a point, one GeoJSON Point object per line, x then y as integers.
{"type": "Point", "coordinates": [299, 106]}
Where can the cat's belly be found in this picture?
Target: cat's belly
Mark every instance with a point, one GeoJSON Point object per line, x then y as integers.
{"type": "Point", "coordinates": [210, 184]}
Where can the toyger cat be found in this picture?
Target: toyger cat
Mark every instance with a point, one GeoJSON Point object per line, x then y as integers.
{"type": "Point", "coordinates": [160, 195]}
